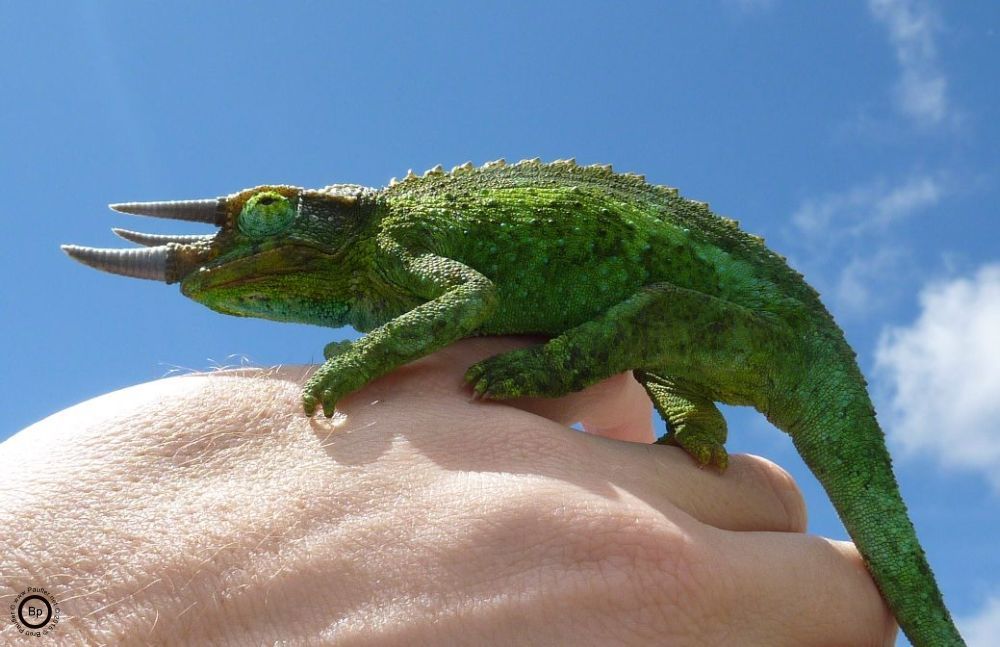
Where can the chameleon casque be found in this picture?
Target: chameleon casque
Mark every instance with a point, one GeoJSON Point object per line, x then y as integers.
{"type": "Point", "coordinates": [621, 274]}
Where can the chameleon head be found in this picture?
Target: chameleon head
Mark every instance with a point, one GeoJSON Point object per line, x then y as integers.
{"type": "Point", "coordinates": [281, 252]}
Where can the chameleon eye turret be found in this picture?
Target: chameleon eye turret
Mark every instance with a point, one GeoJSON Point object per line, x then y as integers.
{"type": "Point", "coordinates": [265, 214]}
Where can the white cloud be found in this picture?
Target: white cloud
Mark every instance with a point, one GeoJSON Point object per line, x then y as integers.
{"type": "Point", "coordinates": [942, 374]}
{"type": "Point", "coordinates": [921, 92]}
{"type": "Point", "coordinates": [982, 629]}
{"type": "Point", "coordinates": [866, 207]}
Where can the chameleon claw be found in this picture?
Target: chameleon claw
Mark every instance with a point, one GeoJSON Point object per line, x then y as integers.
{"type": "Point", "coordinates": [309, 404]}
{"type": "Point", "coordinates": [704, 454]}
{"type": "Point", "coordinates": [487, 391]}
{"type": "Point", "coordinates": [474, 377]}
{"type": "Point", "coordinates": [329, 404]}
{"type": "Point", "coordinates": [709, 456]}
{"type": "Point", "coordinates": [490, 393]}
{"type": "Point", "coordinates": [473, 374]}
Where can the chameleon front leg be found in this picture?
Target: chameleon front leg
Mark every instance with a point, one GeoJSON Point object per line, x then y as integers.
{"type": "Point", "coordinates": [464, 299]}
{"type": "Point", "coordinates": [727, 350]}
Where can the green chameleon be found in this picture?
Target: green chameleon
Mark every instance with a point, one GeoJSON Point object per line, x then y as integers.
{"type": "Point", "coordinates": [621, 274]}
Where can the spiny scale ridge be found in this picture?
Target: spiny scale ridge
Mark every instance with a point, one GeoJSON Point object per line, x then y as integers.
{"type": "Point", "coordinates": [604, 171]}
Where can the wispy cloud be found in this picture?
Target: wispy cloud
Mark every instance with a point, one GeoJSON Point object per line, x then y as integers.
{"type": "Point", "coordinates": [868, 207]}
{"type": "Point", "coordinates": [859, 287]}
{"type": "Point", "coordinates": [851, 232]}
{"type": "Point", "coordinates": [941, 375]}
{"type": "Point", "coordinates": [751, 6]}
{"type": "Point", "coordinates": [982, 629]}
{"type": "Point", "coordinates": [922, 89]}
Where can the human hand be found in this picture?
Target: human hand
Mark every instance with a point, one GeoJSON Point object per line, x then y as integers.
{"type": "Point", "coordinates": [209, 508]}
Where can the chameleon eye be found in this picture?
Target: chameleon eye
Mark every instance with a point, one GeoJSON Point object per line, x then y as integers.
{"type": "Point", "coordinates": [265, 214]}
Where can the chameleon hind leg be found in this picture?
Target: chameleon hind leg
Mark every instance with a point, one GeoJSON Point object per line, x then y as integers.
{"type": "Point", "coordinates": [729, 351]}
{"type": "Point", "coordinates": [694, 423]}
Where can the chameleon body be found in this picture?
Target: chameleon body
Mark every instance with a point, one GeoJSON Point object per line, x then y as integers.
{"type": "Point", "coordinates": [621, 274]}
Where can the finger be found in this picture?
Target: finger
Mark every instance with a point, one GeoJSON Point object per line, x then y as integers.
{"type": "Point", "coordinates": [814, 591]}
{"type": "Point", "coordinates": [617, 407]}
{"type": "Point", "coordinates": [753, 494]}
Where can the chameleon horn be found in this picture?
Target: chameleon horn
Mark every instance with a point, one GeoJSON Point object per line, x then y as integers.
{"type": "Point", "coordinates": [150, 263]}
{"type": "Point", "coordinates": [152, 240]}
{"type": "Point", "coordinates": [209, 211]}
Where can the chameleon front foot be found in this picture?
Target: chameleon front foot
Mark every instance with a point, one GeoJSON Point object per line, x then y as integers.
{"type": "Point", "coordinates": [317, 391]}
{"type": "Point", "coordinates": [327, 386]}
{"type": "Point", "coordinates": [311, 401]}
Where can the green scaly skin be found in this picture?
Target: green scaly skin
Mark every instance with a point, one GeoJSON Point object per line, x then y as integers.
{"type": "Point", "coordinates": [623, 275]}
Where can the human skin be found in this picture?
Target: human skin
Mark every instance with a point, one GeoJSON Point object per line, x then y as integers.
{"type": "Point", "coordinates": [208, 508]}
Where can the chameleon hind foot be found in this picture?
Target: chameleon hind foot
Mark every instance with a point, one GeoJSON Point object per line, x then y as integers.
{"type": "Point", "coordinates": [694, 423]}
{"type": "Point", "coordinates": [705, 452]}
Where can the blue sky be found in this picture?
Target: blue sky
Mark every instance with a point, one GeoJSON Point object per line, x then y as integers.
{"type": "Point", "coordinates": [859, 138]}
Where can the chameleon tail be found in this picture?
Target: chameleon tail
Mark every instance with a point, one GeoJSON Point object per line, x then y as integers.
{"type": "Point", "coordinates": [845, 448]}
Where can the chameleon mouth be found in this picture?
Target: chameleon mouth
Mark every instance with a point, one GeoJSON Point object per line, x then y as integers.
{"type": "Point", "coordinates": [262, 284]}
{"type": "Point", "coordinates": [164, 258]}
{"type": "Point", "coordinates": [263, 267]}
{"type": "Point", "coordinates": [234, 273]}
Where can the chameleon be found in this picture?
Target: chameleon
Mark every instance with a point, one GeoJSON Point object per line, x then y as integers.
{"type": "Point", "coordinates": [619, 274]}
